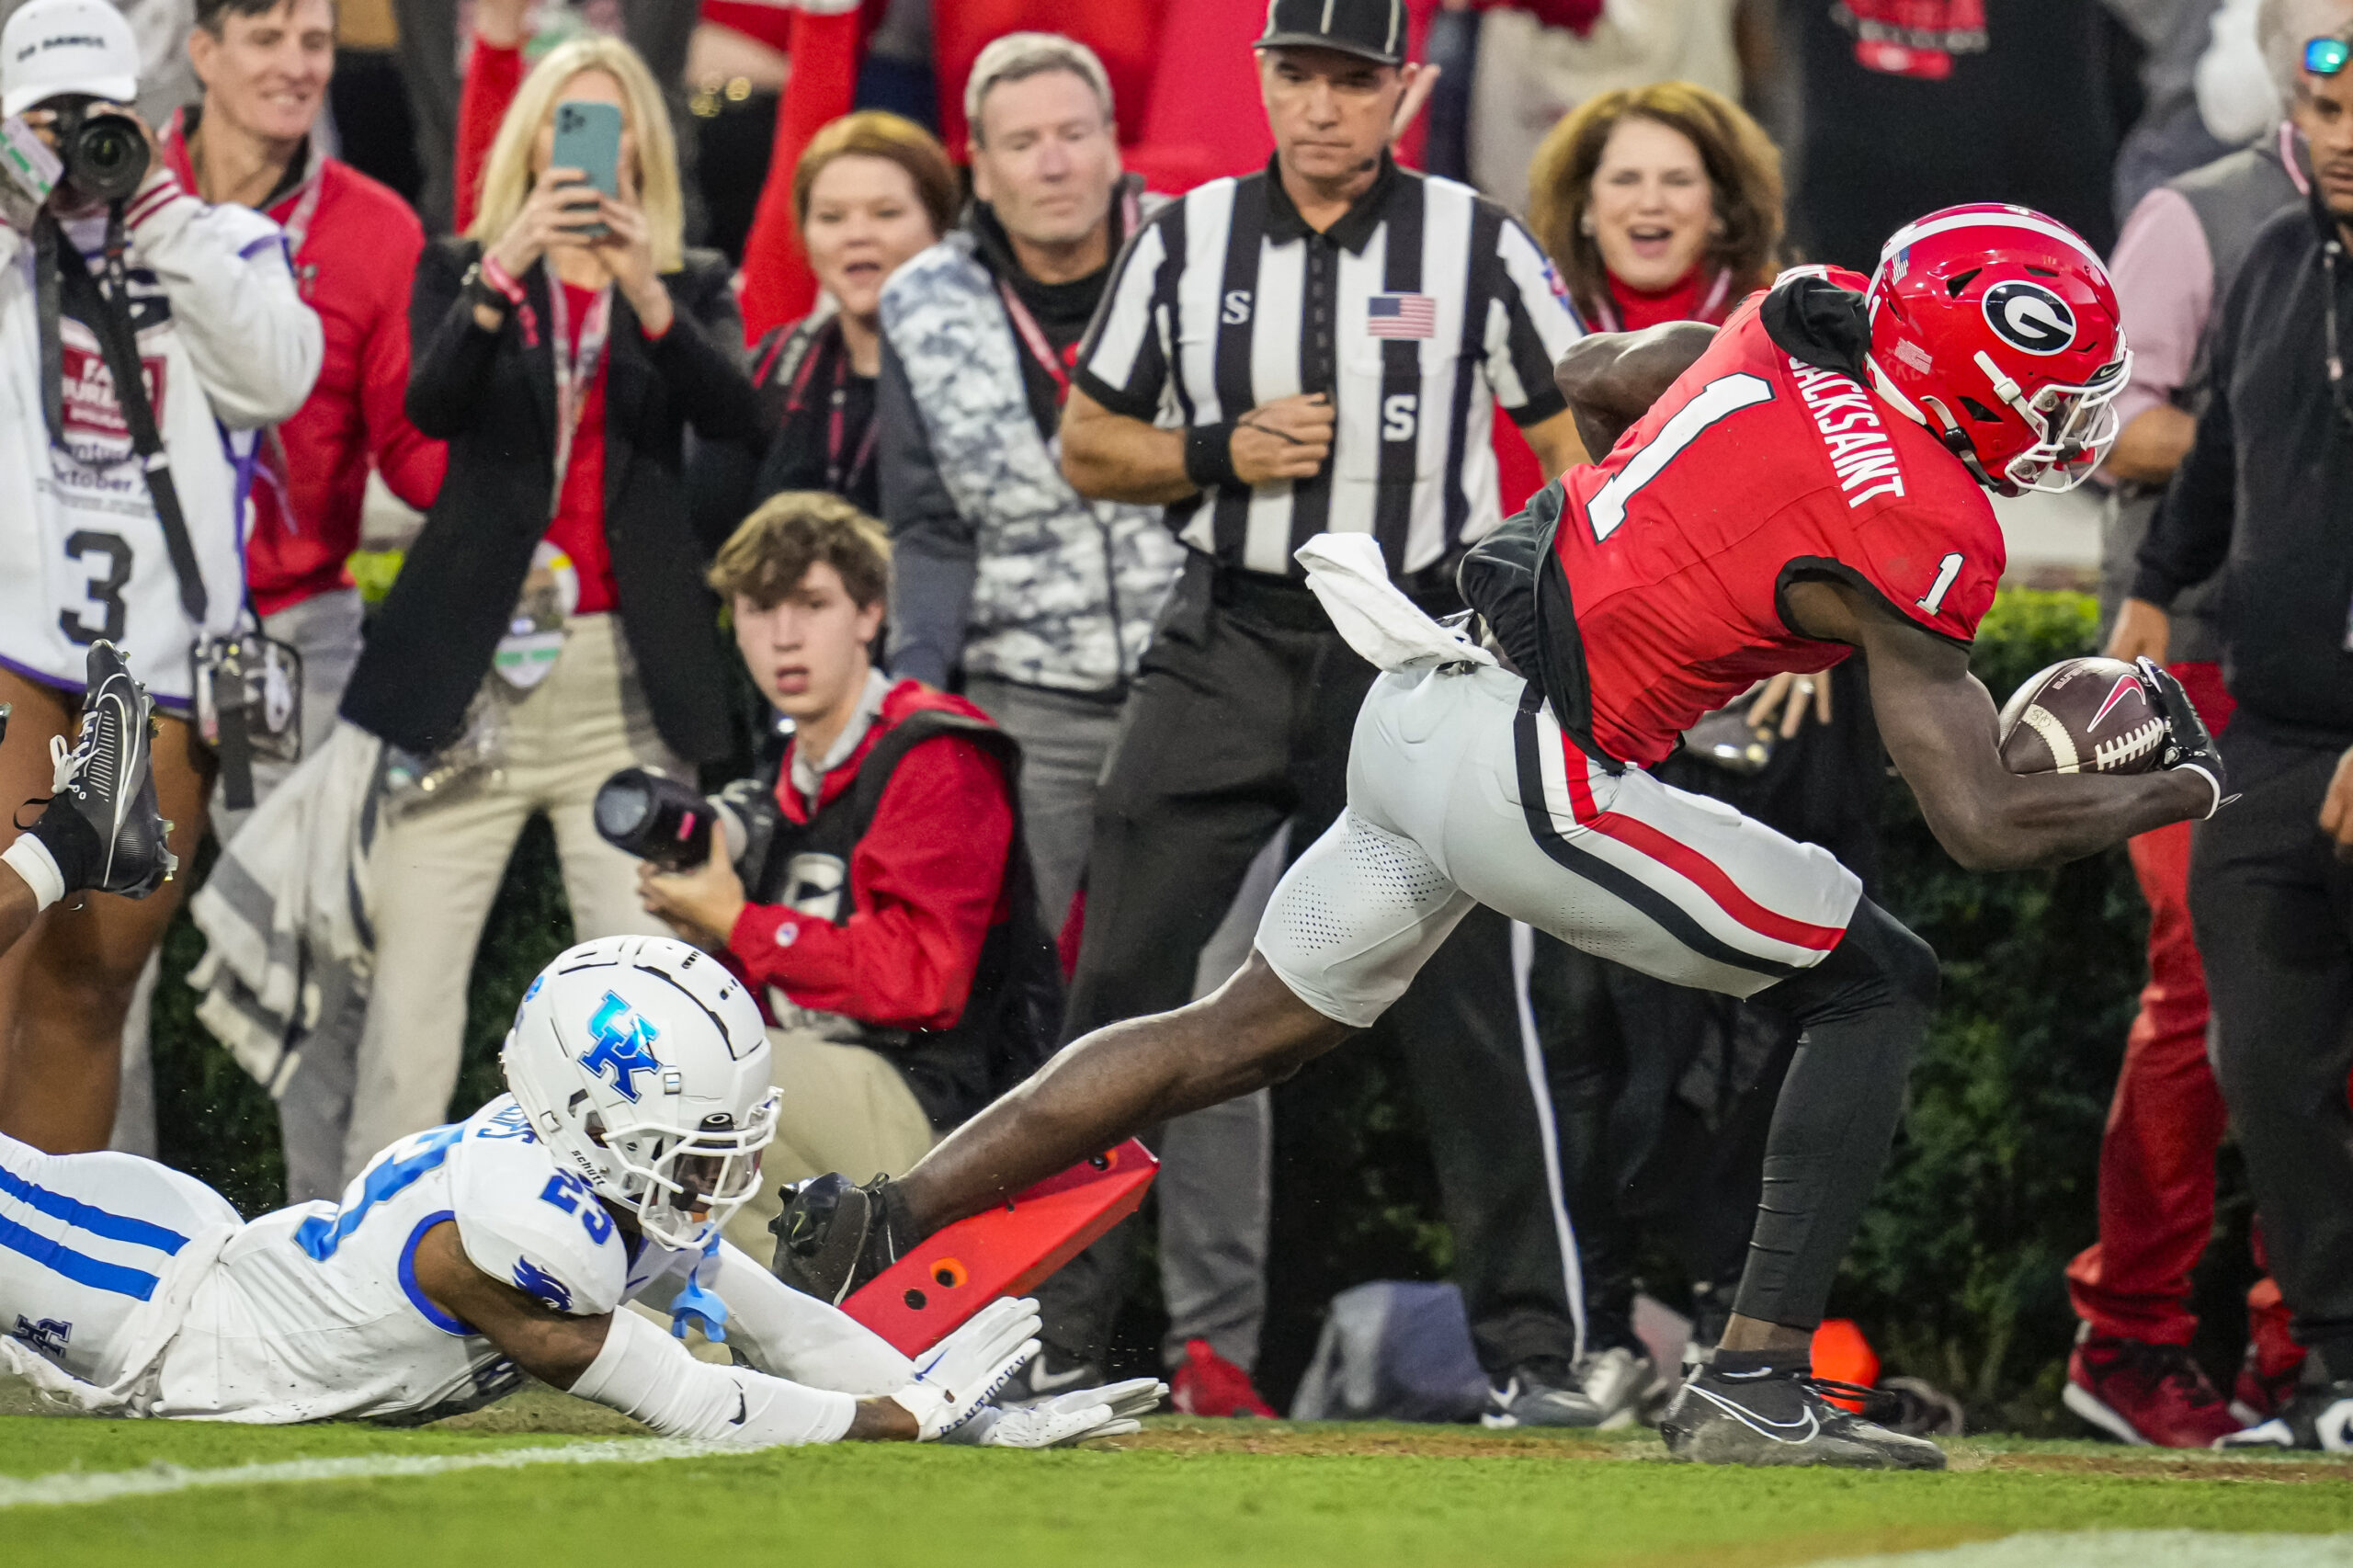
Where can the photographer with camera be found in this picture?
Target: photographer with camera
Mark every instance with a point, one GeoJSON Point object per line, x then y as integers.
{"type": "Point", "coordinates": [874, 891]}
{"type": "Point", "coordinates": [144, 334]}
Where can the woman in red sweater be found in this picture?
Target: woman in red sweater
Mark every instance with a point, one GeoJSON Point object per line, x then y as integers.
{"type": "Point", "coordinates": [1658, 203]}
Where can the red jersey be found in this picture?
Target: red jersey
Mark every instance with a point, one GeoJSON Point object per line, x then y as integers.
{"type": "Point", "coordinates": [1755, 468]}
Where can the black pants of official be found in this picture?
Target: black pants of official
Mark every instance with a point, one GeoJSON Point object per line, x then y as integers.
{"type": "Point", "coordinates": [1240, 720]}
{"type": "Point", "coordinates": [2274, 911]}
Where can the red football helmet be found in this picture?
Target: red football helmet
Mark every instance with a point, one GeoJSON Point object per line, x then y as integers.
{"type": "Point", "coordinates": [1997, 329]}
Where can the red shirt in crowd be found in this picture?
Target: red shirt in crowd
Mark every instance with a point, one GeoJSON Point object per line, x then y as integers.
{"type": "Point", "coordinates": [578, 529]}
{"type": "Point", "coordinates": [927, 884]}
{"type": "Point", "coordinates": [356, 256]}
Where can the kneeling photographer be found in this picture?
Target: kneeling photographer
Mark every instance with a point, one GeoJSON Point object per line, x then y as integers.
{"type": "Point", "coordinates": [144, 336]}
{"type": "Point", "coordinates": [869, 881]}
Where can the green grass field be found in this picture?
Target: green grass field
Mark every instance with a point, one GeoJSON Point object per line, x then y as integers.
{"type": "Point", "coordinates": [1183, 1493]}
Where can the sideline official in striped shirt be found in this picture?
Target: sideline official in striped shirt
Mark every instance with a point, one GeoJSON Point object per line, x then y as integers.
{"type": "Point", "coordinates": [1321, 346]}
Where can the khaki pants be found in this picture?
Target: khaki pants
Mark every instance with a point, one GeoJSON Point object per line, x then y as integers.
{"type": "Point", "coordinates": [840, 1107]}
{"type": "Point", "coordinates": [437, 867]}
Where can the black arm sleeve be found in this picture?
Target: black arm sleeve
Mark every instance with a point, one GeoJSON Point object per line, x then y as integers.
{"type": "Point", "coordinates": [449, 352]}
{"type": "Point", "coordinates": [700, 358]}
{"type": "Point", "coordinates": [934, 552]}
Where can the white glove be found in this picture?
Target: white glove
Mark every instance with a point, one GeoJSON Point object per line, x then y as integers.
{"type": "Point", "coordinates": [960, 1374]}
{"type": "Point", "coordinates": [1075, 1417]}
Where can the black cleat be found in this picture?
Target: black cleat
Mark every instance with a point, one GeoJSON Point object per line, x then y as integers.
{"type": "Point", "coordinates": [106, 781]}
{"type": "Point", "coordinates": [834, 1237]}
{"type": "Point", "coordinates": [2317, 1416]}
{"type": "Point", "coordinates": [1782, 1418]}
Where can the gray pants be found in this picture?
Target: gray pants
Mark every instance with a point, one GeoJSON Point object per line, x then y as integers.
{"type": "Point", "coordinates": [324, 629]}
{"type": "Point", "coordinates": [1215, 1164]}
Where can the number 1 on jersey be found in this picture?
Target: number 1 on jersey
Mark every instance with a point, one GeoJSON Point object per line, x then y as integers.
{"type": "Point", "coordinates": [1932, 601]}
{"type": "Point", "coordinates": [1719, 400]}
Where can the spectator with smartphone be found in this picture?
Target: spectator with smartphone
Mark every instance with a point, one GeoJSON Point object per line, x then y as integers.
{"type": "Point", "coordinates": [96, 548]}
{"type": "Point", "coordinates": [870, 190]}
{"type": "Point", "coordinates": [887, 928]}
{"type": "Point", "coordinates": [550, 625]}
{"type": "Point", "coordinates": [265, 66]}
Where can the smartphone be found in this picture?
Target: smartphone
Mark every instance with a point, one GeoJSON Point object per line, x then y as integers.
{"type": "Point", "coordinates": [588, 138]}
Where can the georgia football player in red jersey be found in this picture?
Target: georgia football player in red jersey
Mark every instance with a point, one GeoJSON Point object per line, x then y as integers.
{"type": "Point", "coordinates": [1811, 486]}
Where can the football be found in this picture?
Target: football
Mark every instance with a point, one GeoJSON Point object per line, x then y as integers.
{"type": "Point", "coordinates": [2082, 716]}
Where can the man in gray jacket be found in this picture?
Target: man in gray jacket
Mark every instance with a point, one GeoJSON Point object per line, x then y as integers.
{"type": "Point", "coordinates": [1045, 600]}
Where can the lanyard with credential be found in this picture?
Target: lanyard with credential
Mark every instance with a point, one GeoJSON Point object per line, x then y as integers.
{"type": "Point", "coordinates": [575, 370]}
{"type": "Point", "coordinates": [838, 480]}
{"type": "Point", "coordinates": [1033, 337]}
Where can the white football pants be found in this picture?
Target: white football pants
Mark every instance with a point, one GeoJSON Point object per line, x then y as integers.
{"type": "Point", "coordinates": [1461, 792]}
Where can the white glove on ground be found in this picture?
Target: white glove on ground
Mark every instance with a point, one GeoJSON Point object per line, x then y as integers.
{"type": "Point", "coordinates": [1075, 1417]}
{"type": "Point", "coordinates": [960, 1374]}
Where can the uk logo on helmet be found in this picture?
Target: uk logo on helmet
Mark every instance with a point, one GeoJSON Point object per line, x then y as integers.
{"type": "Point", "coordinates": [623, 1042]}
{"type": "Point", "coordinates": [2031, 317]}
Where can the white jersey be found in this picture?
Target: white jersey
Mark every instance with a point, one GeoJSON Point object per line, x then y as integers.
{"type": "Point", "coordinates": [314, 1312]}
{"type": "Point", "coordinates": [128, 1288]}
{"type": "Point", "coordinates": [226, 345]}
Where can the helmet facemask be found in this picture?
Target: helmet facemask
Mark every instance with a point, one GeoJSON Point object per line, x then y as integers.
{"type": "Point", "coordinates": [665, 1174]}
{"type": "Point", "coordinates": [2074, 426]}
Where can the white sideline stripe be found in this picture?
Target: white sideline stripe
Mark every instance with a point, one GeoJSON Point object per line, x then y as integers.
{"type": "Point", "coordinates": [74, 1487]}
{"type": "Point", "coordinates": [2123, 1548]}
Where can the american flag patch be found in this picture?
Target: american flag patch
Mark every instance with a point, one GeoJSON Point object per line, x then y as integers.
{"type": "Point", "coordinates": [1401, 315]}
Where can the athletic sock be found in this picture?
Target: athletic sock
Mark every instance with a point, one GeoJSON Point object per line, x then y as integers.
{"type": "Point", "coordinates": [30, 859]}
{"type": "Point", "coordinates": [73, 844]}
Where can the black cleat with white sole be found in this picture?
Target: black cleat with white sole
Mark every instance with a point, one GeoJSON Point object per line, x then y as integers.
{"type": "Point", "coordinates": [834, 1235]}
{"type": "Point", "coordinates": [1781, 1417]}
{"type": "Point", "coordinates": [108, 780]}
{"type": "Point", "coordinates": [2317, 1416]}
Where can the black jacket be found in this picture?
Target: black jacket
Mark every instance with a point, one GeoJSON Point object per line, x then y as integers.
{"type": "Point", "coordinates": [2263, 496]}
{"type": "Point", "coordinates": [492, 397]}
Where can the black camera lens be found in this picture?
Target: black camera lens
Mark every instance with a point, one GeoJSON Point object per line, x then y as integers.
{"type": "Point", "coordinates": [654, 818]}
{"type": "Point", "coordinates": [104, 153]}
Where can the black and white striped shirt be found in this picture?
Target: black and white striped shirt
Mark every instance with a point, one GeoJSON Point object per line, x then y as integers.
{"type": "Point", "coordinates": [1421, 309]}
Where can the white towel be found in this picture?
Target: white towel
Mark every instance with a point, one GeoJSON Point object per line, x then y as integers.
{"type": "Point", "coordinates": [1373, 615]}
{"type": "Point", "coordinates": [289, 899]}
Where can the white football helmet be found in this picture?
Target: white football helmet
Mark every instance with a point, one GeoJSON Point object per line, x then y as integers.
{"type": "Point", "coordinates": [643, 1067]}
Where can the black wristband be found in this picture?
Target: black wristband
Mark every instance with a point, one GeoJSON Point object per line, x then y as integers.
{"type": "Point", "coordinates": [1209, 455]}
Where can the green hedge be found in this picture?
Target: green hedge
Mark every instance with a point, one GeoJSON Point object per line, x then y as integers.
{"type": "Point", "coordinates": [1956, 1272]}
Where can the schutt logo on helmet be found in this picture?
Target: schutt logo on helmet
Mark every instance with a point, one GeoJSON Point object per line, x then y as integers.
{"type": "Point", "coordinates": [2029, 317]}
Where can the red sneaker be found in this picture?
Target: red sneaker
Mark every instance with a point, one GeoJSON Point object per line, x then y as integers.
{"type": "Point", "coordinates": [2258, 1396]}
{"type": "Point", "coordinates": [2150, 1395]}
{"type": "Point", "coordinates": [1209, 1384]}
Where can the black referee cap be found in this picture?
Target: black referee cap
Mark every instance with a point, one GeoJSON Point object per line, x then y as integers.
{"type": "Point", "coordinates": [1370, 30]}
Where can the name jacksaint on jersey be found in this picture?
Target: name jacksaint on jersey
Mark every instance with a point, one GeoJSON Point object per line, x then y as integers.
{"type": "Point", "coordinates": [1754, 470]}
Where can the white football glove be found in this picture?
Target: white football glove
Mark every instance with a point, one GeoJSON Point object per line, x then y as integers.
{"type": "Point", "coordinates": [1075, 1417]}
{"type": "Point", "coordinates": [960, 1374]}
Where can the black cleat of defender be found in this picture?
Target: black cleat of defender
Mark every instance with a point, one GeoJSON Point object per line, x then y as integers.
{"type": "Point", "coordinates": [106, 781]}
{"type": "Point", "coordinates": [1782, 1418]}
{"type": "Point", "coordinates": [834, 1237]}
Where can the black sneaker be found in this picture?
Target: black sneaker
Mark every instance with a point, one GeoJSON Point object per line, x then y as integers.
{"type": "Point", "coordinates": [107, 779]}
{"type": "Point", "coordinates": [1542, 1391]}
{"type": "Point", "coordinates": [834, 1237]}
{"type": "Point", "coordinates": [2319, 1416]}
{"type": "Point", "coordinates": [1782, 1418]}
{"type": "Point", "coordinates": [1050, 1374]}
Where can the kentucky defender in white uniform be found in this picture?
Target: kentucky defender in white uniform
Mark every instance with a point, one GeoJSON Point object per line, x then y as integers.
{"type": "Point", "coordinates": [466, 1256]}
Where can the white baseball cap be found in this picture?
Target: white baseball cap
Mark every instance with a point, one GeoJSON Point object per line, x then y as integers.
{"type": "Point", "coordinates": [53, 47]}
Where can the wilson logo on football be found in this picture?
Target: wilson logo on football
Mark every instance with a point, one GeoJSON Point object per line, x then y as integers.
{"type": "Point", "coordinates": [2031, 317]}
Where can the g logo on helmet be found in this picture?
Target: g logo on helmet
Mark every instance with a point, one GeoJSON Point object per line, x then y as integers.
{"type": "Point", "coordinates": [2031, 317]}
